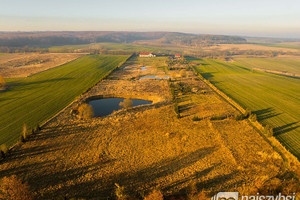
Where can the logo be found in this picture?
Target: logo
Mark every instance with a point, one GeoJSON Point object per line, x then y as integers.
{"type": "Point", "coordinates": [226, 196]}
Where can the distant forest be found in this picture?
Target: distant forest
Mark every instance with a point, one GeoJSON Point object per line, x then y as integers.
{"type": "Point", "coordinates": [13, 40]}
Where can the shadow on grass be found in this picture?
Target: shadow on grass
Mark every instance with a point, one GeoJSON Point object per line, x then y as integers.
{"type": "Point", "coordinates": [14, 85]}
{"type": "Point", "coordinates": [208, 75]}
{"type": "Point", "coordinates": [186, 107]}
{"type": "Point", "coordinates": [104, 188]}
{"type": "Point", "coordinates": [61, 130]}
{"type": "Point", "coordinates": [285, 128]}
{"type": "Point", "coordinates": [265, 113]}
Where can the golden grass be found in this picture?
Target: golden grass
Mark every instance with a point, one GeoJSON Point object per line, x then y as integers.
{"type": "Point", "coordinates": [248, 47]}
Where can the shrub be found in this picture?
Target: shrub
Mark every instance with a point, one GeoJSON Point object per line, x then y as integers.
{"type": "Point", "coordinates": [172, 91]}
{"type": "Point", "coordinates": [37, 128]}
{"type": "Point", "coordinates": [176, 107]}
{"type": "Point", "coordinates": [252, 117]}
{"type": "Point", "coordinates": [24, 133]}
{"type": "Point", "coordinates": [247, 113]}
{"type": "Point", "coordinates": [269, 131]}
{"type": "Point", "coordinates": [154, 195]}
{"type": "Point", "coordinates": [75, 108]}
{"type": "Point", "coordinates": [127, 103]}
{"type": "Point", "coordinates": [196, 118]}
{"type": "Point", "coordinates": [12, 188]}
{"type": "Point", "coordinates": [2, 83]}
{"type": "Point", "coordinates": [120, 192]}
{"type": "Point", "coordinates": [3, 150]}
{"type": "Point", "coordinates": [85, 111]}
{"type": "Point", "coordinates": [220, 117]}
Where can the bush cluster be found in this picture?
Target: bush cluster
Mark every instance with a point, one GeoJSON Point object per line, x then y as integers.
{"type": "Point", "coordinates": [268, 131]}
{"type": "Point", "coordinates": [85, 111]}
{"type": "Point", "coordinates": [218, 117]}
{"type": "Point", "coordinates": [196, 118]}
{"type": "Point", "coordinates": [13, 188]}
{"type": "Point", "coordinates": [3, 151]}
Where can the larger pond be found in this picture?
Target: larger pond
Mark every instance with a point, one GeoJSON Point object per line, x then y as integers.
{"type": "Point", "coordinates": [104, 107]}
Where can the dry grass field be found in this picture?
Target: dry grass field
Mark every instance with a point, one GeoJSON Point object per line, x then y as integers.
{"type": "Point", "coordinates": [148, 147]}
{"type": "Point", "coordinates": [255, 47]}
{"type": "Point", "coordinates": [23, 65]}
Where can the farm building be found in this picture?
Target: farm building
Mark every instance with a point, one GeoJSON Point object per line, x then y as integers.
{"type": "Point", "coordinates": [177, 55]}
{"type": "Point", "coordinates": [147, 54]}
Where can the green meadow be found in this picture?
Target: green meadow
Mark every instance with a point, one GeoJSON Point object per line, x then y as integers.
{"type": "Point", "coordinates": [129, 48]}
{"type": "Point", "coordinates": [275, 99]}
{"type": "Point", "coordinates": [35, 99]}
{"type": "Point", "coordinates": [291, 65]}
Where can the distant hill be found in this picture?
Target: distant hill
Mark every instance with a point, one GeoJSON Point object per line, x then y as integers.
{"type": "Point", "coordinates": [192, 40]}
{"type": "Point", "coordinates": [270, 40]}
{"type": "Point", "coordinates": [47, 39]}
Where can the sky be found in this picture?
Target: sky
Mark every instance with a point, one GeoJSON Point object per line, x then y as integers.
{"type": "Point", "coordinates": [269, 18]}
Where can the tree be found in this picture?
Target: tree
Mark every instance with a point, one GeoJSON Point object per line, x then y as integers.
{"type": "Point", "coordinates": [120, 192]}
{"type": "Point", "coordinates": [24, 133]}
{"type": "Point", "coordinates": [252, 117]}
{"type": "Point", "coordinates": [127, 103]}
{"type": "Point", "coordinates": [269, 131]}
{"type": "Point", "coordinates": [3, 150]}
{"type": "Point", "coordinates": [2, 83]}
{"type": "Point", "coordinates": [85, 111]}
{"type": "Point", "coordinates": [12, 188]}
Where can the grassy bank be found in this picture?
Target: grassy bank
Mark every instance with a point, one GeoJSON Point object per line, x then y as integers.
{"type": "Point", "coordinates": [35, 99]}
{"type": "Point", "coordinates": [274, 98]}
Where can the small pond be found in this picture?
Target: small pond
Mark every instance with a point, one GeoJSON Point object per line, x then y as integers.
{"type": "Point", "coordinates": [149, 77]}
{"type": "Point", "coordinates": [154, 77]}
{"type": "Point", "coordinates": [144, 68]}
{"type": "Point", "coordinates": [129, 67]}
{"type": "Point", "coordinates": [104, 107]}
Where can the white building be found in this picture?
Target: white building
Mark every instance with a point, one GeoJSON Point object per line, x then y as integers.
{"type": "Point", "coordinates": [147, 54]}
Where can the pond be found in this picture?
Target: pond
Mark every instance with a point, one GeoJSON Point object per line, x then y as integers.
{"type": "Point", "coordinates": [154, 77]}
{"type": "Point", "coordinates": [129, 68]}
{"type": "Point", "coordinates": [149, 77]}
{"type": "Point", "coordinates": [144, 68]}
{"type": "Point", "coordinates": [104, 107]}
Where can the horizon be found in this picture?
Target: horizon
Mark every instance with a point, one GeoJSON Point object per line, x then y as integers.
{"type": "Point", "coordinates": [274, 19]}
{"type": "Point", "coordinates": [245, 36]}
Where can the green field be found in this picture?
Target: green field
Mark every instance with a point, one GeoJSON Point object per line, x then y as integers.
{"type": "Point", "coordinates": [35, 99]}
{"type": "Point", "coordinates": [274, 98]}
{"type": "Point", "coordinates": [291, 65]}
{"type": "Point", "coordinates": [129, 48]}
